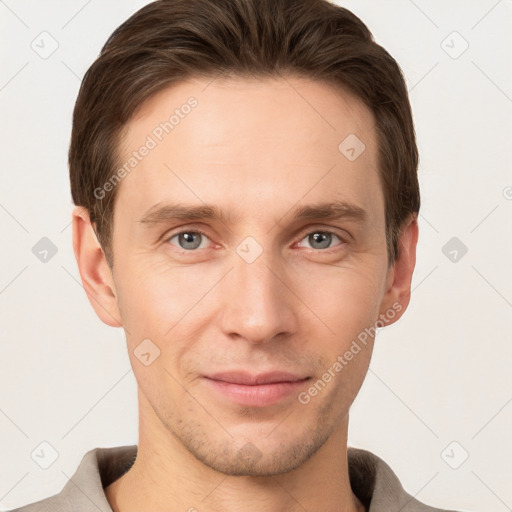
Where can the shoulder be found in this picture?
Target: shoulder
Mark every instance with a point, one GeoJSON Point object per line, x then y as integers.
{"type": "Point", "coordinates": [84, 490]}
{"type": "Point", "coordinates": [378, 487]}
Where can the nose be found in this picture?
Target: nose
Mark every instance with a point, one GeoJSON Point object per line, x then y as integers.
{"type": "Point", "coordinates": [258, 303]}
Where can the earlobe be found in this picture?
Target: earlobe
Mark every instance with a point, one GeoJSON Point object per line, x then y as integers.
{"type": "Point", "coordinates": [94, 269]}
{"type": "Point", "coordinates": [398, 284]}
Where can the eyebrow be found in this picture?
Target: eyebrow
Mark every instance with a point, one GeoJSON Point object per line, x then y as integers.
{"type": "Point", "coordinates": [325, 211]}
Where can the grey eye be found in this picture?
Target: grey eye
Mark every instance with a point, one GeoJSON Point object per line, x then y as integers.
{"type": "Point", "coordinates": [320, 239]}
{"type": "Point", "coordinates": [188, 240]}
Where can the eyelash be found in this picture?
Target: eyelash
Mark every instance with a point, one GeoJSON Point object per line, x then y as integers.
{"type": "Point", "coordinates": [303, 235]}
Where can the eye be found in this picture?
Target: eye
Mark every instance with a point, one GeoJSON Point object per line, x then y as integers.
{"type": "Point", "coordinates": [321, 239]}
{"type": "Point", "coordinates": [188, 240]}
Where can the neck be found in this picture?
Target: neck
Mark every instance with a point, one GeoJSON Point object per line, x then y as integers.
{"type": "Point", "coordinates": [166, 476]}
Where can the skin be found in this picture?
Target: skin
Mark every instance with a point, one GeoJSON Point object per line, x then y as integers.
{"type": "Point", "coordinates": [257, 149]}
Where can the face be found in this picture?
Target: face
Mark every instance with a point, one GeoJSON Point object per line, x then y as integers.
{"type": "Point", "coordinates": [265, 275]}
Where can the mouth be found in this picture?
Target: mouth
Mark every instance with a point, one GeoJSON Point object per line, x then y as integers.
{"type": "Point", "coordinates": [256, 390]}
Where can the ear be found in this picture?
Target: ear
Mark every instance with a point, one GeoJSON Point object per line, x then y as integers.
{"type": "Point", "coordinates": [398, 282]}
{"type": "Point", "coordinates": [94, 270]}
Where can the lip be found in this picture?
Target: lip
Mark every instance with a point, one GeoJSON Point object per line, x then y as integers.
{"type": "Point", "coordinates": [251, 379]}
{"type": "Point", "coordinates": [256, 390]}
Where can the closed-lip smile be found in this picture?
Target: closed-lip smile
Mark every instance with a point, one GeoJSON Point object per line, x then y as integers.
{"type": "Point", "coordinates": [256, 390]}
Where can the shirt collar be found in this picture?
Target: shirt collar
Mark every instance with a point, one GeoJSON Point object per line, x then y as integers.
{"type": "Point", "coordinates": [371, 479]}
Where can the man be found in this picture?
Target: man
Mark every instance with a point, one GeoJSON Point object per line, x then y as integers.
{"type": "Point", "coordinates": [245, 175]}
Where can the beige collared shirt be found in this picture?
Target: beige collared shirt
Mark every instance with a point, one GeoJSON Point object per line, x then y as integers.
{"type": "Point", "coordinates": [371, 479]}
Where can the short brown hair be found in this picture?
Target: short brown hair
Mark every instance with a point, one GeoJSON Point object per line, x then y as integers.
{"type": "Point", "coordinates": [171, 40]}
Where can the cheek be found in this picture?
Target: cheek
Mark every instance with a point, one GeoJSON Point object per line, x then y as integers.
{"type": "Point", "coordinates": [148, 298]}
{"type": "Point", "coordinates": [162, 301]}
{"type": "Point", "coordinates": [348, 307]}
{"type": "Point", "coordinates": [158, 303]}
{"type": "Point", "coordinates": [345, 297]}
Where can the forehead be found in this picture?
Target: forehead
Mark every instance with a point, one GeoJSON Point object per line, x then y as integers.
{"type": "Point", "coordinates": [267, 143]}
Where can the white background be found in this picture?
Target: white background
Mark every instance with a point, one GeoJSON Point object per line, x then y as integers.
{"type": "Point", "coordinates": [441, 374]}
